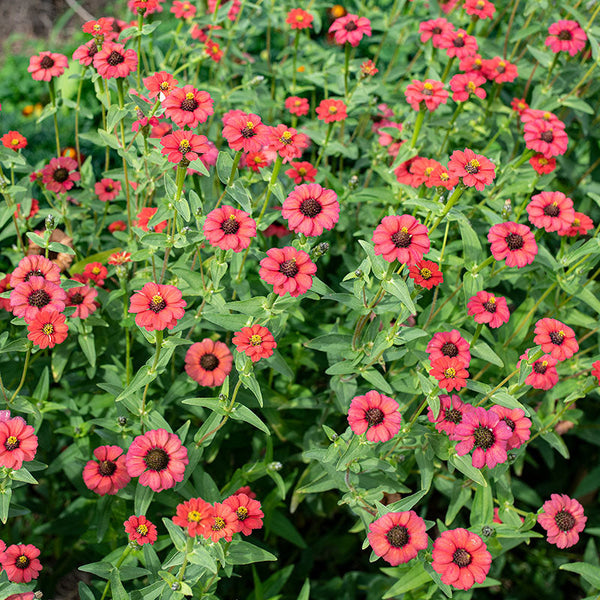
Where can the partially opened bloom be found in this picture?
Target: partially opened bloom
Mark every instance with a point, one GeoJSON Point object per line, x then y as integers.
{"type": "Point", "coordinates": [488, 308]}
{"type": "Point", "coordinates": [449, 372]}
{"type": "Point", "coordinates": [398, 536]}
{"type": "Point", "coordinates": [107, 189]}
{"type": "Point", "coordinates": [195, 515]}
{"type": "Point", "coordinates": [256, 341]}
{"type": "Point", "coordinates": [555, 338]}
{"type": "Point", "coordinates": [188, 106]}
{"type": "Point", "coordinates": [47, 65]}
{"type": "Point", "coordinates": [35, 265]}
{"type": "Point", "coordinates": [331, 110]}
{"type": "Point", "coordinates": [95, 272]}
{"type": "Point", "coordinates": [545, 137]}
{"type": "Point", "coordinates": [229, 228]}
{"type": "Point", "coordinates": [288, 270]}
{"type": "Point", "coordinates": [465, 84]}
{"type": "Point", "coordinates": [18, 443]}
{"type": "Point", "coordinates": [434, 29]}
{"type": "Point", "coordinates": [109, 474]}
{"type": "Point", "coordinates": [20, 562]}
{"type": "Point", "coordinates": [60, 174]}
{"type": "Point", "coordinates": [47, 328]}
{"type": "Point", "coordinates": [246, 132]}
{"type": "Point", "coordinates": [519, 105]}
{"type": "Point", "coordinates": [426, 273]}
{"type": "Point", "coordinates": [563, 520]}
{"type": "Point", "coordinates": [212, 49]}
{"type": "Point", "coordinates": [542, 165]}
{"type": "Point", "coordinates": [580, 226]}
{"type": "Point", "coordinates": [30, 297]}
{"type": "Point", "coordinates": [309, 209]}
{"type": "Point", "coordinates": [160, 84]}
{"type": "Point", "coordinates": [514, 242]}
{"type": "Point", "coordinates": [450, 344]}
{"type": "Point", "coordinates": [375, 414]}
{"type": "Point", "coordinates": [350, 29]}
{"type": "Point", "coordinates": [222, 524]}
{"type": "Point", "coordinates": [518, 423]}
{"type": "Point", "coordinates": [449, 416]}
{"type": "Point", "coordinates": [461, 558]}
{"type": "Point", "coordinates": [402, 238]}
{"type": "Point", "coordinates": [140, 530]}
{"type": "Point", "coordinates": [552, 211]}
{"type": "Point", "coordinates": [157, 307]}
{"type": "Point", "coordinates": [368, 69]}
{"type": "Point", "coordinates": [13, 140]}
{"type": "Point", "coordinates": [566, 36]}
{"type": "Point", "coordinates": [114, 61]}
{"type": "Point", "coordinates": [297, 106]}
{"type": "Point", "coordinates": [431, 92]}
{"type": "Point", "coordinates": [145, 216]}
{"type": "Point", "coordinates": [183, 146]}
{"type": "Point", "coordinates": [298, 18]}
{"type": "Point", "coordinates": [458, 43]}
{"type": "Point", "coordinates": [301, 172]}
{"type": "Point", "coordinates": [208, 362]}
{"type": "Point", "coordinates": [247, 511]}
{"type": "Point", "coordinates": [474, 169]}
{"type": "Point", "coordinates": [484, 9]}
{"type": "Point", "coordinates": [158, 458]}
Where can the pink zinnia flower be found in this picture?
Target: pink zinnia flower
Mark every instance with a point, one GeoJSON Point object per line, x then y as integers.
{"type": "Point", "coordinates": [543, 374]}
{"type": "Point", "coordinates": [449, 416]}
{"type": "Point", "coordinates": [563, 520]}
{"type": "Point", "coordinates": [402, 238]}
{"type": "Point", "coordinates": [35, 265]}
{"type": "Point", "coordinates": [109, 474]}
{"type": "Point", "coordinates": [449, 372]}
{"type": "Point", "coordinates": [245, 132]}
{"type": "Point", "coordinates": [480, 8]}
{"type": "Point", "coordinates": [47, 65]}
{"type": "Point", "coordinates": [13, 140]}
{"type": "Point", "coordinates": [145, 216]}
{"type": "Point", "coordinates": [208, 362]}
{"type": "Point", "coordinates": [30, 297]}
{"type": "Point", "coordinates": [297, 106]}
{"type": "Point", "coordinates": [229, 228]}
{"type": "Point", "coordinates": [474, 169]}
{"type": "Point", "coordinates": [552, 211]}
{"type": "Point", "coordinates": [247, 511]}
{"type": "Point", "coordinates": [298, 18]}
{"type": "Point", "coordinates": [287, 142]}
{"type": "Point", "coordinates": [107, 189]}
{"type": "Point", "coordinates": [82, 297]}
{"type": "Point", "coordinates": [157, 307]}
{"type": "Point", "coordinates": [301, 172]}
{"type": "Point", "coordinates": [182, 146]}
{"type": "Point", "coordinates": [458, 43]}
{"type": "Point", "coordinates": [518, 423]}
{"type": "Point", "coordinates": [114, 61]}
{"type": "Point", "coordinates": [183, 9]}
{"type": "Point", "coordinates": [566, 36]}
{"type": "Point", "coordinates": [513, 242]}
{"type": "Point", "coordinates": [499, 70]}
{"type": "Point", "coordinates": [60, 174]}
{"type": "Point", "coordinates": [140, 530]}
{"type": "Point", "coordinates": [488, 308]}
{"type": "Point", "coordinates": [222, 524]}
{"type": "Point", "coordinates": [426, 273]}
{"type": "Point", "coordinates": [542, 165]}
{"type": "Point", "coordinates": [47, 328]}
{"type": "Point", "coordinates": [350, 29]}
{"type": "Point", "coordinates": [331, 110]}
{"type": "Point", "coordinates": [195, 515]}
{"type": "Point", "coordinates": [580, 226]}
{"type": "Point", "coordinates": [309, 209]}
{"type": "Point", "coordinates": [544, 137]}
{"type": "Point", "coordinates": [596, 370]}
{"type": "Point", "coordinates": [160, 84]}
{"type": "Point", "coordinates": [188, 106]}
{"type": "Point", "coordinates": [18, 443]}
{"type": "Point", "coordinates": [256, 341]}
{"type": "Point", "coordinates": [376, 414]}
{"type": "Point", "coordinates": [555, 338]}
{"type": "Point", "coordinates": [450, 344]}
{"type": "Point", "coordinates": [85, 53]}
{"type": "Point", "coordinates": [20, 562]}
{"type": "Point", "coordinates": [95, 272]}
{"type": "Point", "coordinates": [431, 92]}
{"type": "Point", "coordinates": [434, 29]}
{"type": "Point", "coordinates": [465, 84]}
{"type": "Point", "coordinates": [288, 270]}
{"type": "Point", "coordinates": [441, 177]}
{"type": "Point", "coordinates": [398, 536]}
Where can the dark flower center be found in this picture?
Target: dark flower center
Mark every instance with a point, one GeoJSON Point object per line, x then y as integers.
{"type": "Point", "coordinates": [552, 210]}
{"type": "Point", "coordinates": [484, 437]}
{"type": "Point", "coordinates": [401, 239]}
{"type": "Point", "coordinates": [501, 68]}
{"type": "Point", "coordinates": [453, 415]}
{"type": "Point", "coordinates": [60, 175]}
{"type": "Point", "coordinates": [115, 58]}
{"type": "Point", "coordinates": [426, 273]}
{"type": "Point", "coordinates": [565, 35]}
{"type": "Point", "coordinates": [461, 558]}
{"type": "Point", "coordinates": [189, 104]}
{"type": "Point", "coordinates": [209, 362]}
{"type": "Point", "coordinates": [540, 366]}
{"type": "Point", "coordinates": [47, 62]}
{"type": "Point", "coordinates": [374, 416]}
{"type": "Point", "coordinates": [12, 443]}
{"type": "Point", "coordinates": [564, 520]}
{"type": "Point", "coordinates": [472, 166]}
{"type": "Point", "coordinates": [92, 50]}
{"type": "Point", "coordinates": [557, 337]}
{"type": "Point", "coordinates": [547, 136]}
{"type": "Point", "coordinates": [450, 349]}
{"type": "Point", "coordinates": [230, 225]}
{"type": "Point", "coordinates": [33, 273]}
{"type": "Point", "coordinates": [22, 562]}
{"type": "Point", "coordinates": [218, 524]}
{"type": "Point", "coordinates": [157, 303]}
{"type": "Point", "coordinates": [156, 459]}
{"type": "Point", "coordinates": [107, 468]}
{"type": "Point", "coordinates": [351, 26]}
{"type": "Point", "coordinates": [248, 131]}
{"type": "Point", "coordinates": [77, 298]}
{"type": "Point", "coordinates": [490, 307]}
{"type": "Point", "coordinates": [242, 513]}
{"type": "Point", "coordinates": [509, 422]}
{"type": "Point", "coordinates": [458, 42]}
{"type": "Point", "coordinates": [398, 536]}
{"type": "Point", "coordinates": [427, 91]}
{"type": "Point", "coordinates": [436, 30]}
{"type": "Point", "coordinates": [289, 268]}
{"type": "Point", "coordinates": [39, 298]}
{"type": "Point", "coordinates": [310, 207]}
{"type": "Point", "coordinates": [514, 241]}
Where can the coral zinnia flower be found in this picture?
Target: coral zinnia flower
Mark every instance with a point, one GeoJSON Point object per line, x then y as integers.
{"type": "Point", "coordinates": [398, 536]}
{"type": "Point", "coordinates": [580, 226]}
{"type": "Point", "coordinates": [98, 28]}
{"type": "Point", "coordinates": [350, 29]}
{"type": "Point", "coordinates": [256, 161]}
{"type": "Point", "coordinates": [245, 132]}
{"type": "Point", "coordinates": [85, 53]}
{"type": "Point", "coordinates": [465, 84]}
{"type": "Point", "coordinates": [458, 43]}
{"type": "Point", "coordinates": [376, 414]}
{"type": "Point", "coordinates": [441, 177]}
{"type": "Point", "coordinates": [20, 562]}
{"type": "Point", "coordinates": [183, 9]}
{"type": "Point", "coordinates": [481, 8]}
{"type": "Point", "coordinates": [47, 328]}
{"type": "Point", "coordinates": [144, 217]}
{"type": "Point", "coordinates": [402, 238]}
{"type": "Point", "coordinates": [542, 165]}
{"type": "Point", "coordinates": [227, 227]}
{"type": "Point", "coordinates": [158, 458]}
{"type": "Point", "coordinates": [331, 110]}
{"type": "Point", "coordinates": [450, 344]}
{"type": "Point", "coordinates": [461, 558]}
{"type": "Point", "coordinates": [297, 106]}
{"type": "Point", "coordinates": [552, 211]}
{"type": "Point", "coordinates": [429, 91]}
{"type": "Point", "coordinates": [212, 49]}
{"type": "Point", "coordinates": [107, 189]}
{"type": "Point", "coordinates": [309, 209]}
{"type": "Point", "coordinates": [196, 515]}
{"type": "Point", "coordinates": [518, 423]}
{"type": "Point", "coordinates": [183, 145]}
{"type": "Point", "coordinates": [59, 175]}
{"type": "Point", "coordinates": [247, 512]}
{"type": "Point", "coordinates": [472, 64]}
{"type": "Point", "coordinates": [121, 226]}
{"type": "Point", "coordinates": [563, 520]}
{"type": "Point", "coordinates": [434, 29]}
{"type": "Point", "coordinates": [114, 61]}
{"type": "Point", "coordinates": [188, 106]}
{"type": "Point", "coordinates": [18, 443]}
{"type": "Point", "coordinates": [28, 298]}
{"type": "Point", "coordinates": [13, 140]}
{"type": "Point", "coordinates": [450, 414]}
{"type": "Point", "coordinates": [449, 372]}
{"type": "Point", "coordinates": [109, 475]}
{"type": "Point", "coordinates": [484, 431]}
{"type": "Point", "coordinates": [47, 65]}
{"type": "Point", "coordinates": [596, 370]}
{"type": "Point", "coordinates": [288, 270]}
{"type": "Point", "coordinates": [476, 170]}
{"type": "Point", "coordinates": [157, 306]}
{"type": "Point", "coordinates": [299, 19]}
{"type": "Point", "coordinates": [287, 142]}
{"type": "Point", "coordinates": [544, 137]}
{"type": "Point", "coordinates": [96, 272]}
{"type": "Point", "coordinates": [208, 363]}
{"type": "Point", "coordinates": [422, 170]}
{"type": "Point", "coordinates": [256, 341]}
{"type": "Point", "coordinates": [555, 338]}
{"type": "Point", "coordinates": [160, 84]}
{"type": "Point", "coordinates": [488, 308]}
{"type": "Point", "coordinates": [543, 374]}
{"type": "Point", "coordinates": [566, 36]}
{"type": "Point", "coordinates": [302, 172]}
{"type": "Point", "coordinates": [426, 273]}
{"type": "Point", "coordinates": [141, 530]}
{"type": "Point", "coordinates": [514, 242]}
{"type": "Point", "coordinates": [222, 524]}
{"type": "Point", "coordinates": [499, 70]}
{"type": "Point", "coordinates": [519, 105]}
{"type": "Point", "coordinates": [35, 266]}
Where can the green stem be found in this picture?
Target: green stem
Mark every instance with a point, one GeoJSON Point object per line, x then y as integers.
{"type": "Point", "coordinates": [552, 65]}
{"type": "Point", "coordinates": [119, 563]}
{"type": "Point", "coordinates": [580, 82]}
{"type": "Point", "coordinates": [234, 166]}
{"type": "Point", "coordinates": [458, 192]}
{"type": "Point", "coordinates": [23, 375]}
{"type": "Point", "coordinates": [346, 69]}
{"type": "Point", "coordinates": [225, 417]}
{"type": "Point", "coordinates": [159, 339]}
{"type": "Point", "coordinates": [418, 124]}
{"type": "Point", "coordinates": [449, 126]}
{"type": "Point", "coordinates": [324, 146]}
{"type": "Point", "coordinates": [447, 69]}
{"type": "Point", "coordinates": [54, 115]}
{"type": "Point", "coordinates": [140, 24]}
{"type": "Point", "coordinates": [168, 54]}
{"type": "Point", "coordinates": [127, 191]}
{"type": "Point", "coordinates": [476, 334]}
{"type": "Point", "coordinates": [77, 105]}
{"type": "Point", "coordinates": [294, 60]}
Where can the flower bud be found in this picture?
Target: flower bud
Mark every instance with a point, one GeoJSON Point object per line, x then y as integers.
{"type": "Point", "coordinates": [50, 222]}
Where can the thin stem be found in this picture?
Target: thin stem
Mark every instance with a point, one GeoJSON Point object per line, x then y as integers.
{"type": "Point", "coordinates": [476, 334]}
{"type": "Point", "coordinates": [119, 563]}
{"type": "Point", "coordinates": [140, 24]}
{"type": "Point", "coordinates": [447, 69]}
{"type": "Point", "coordinates": [346, 69]}
{"type": "Point", "coordinates": [225, 417]}
{"type": "Point", "coordinates": [294, 60]}
{"type": "Point", "coordinates": [449, 127]}
{"type": "Point", "coordinates": [418, 124]}
{"type": "Point", "coordinates": [458, 192]}
{"type": "Point", "coordinates": [77, 105]}
{"type": "Point", "coordinates": [23, 375]}
{"type": "Point", "coordinates": [159, 339]}
{"type": "Point", "coordinates": [509, 27]}
{"type": "Point", "coordinates": [54, 115]}
{"type": "Point", "coordinates": [324, 146]}
{"type": "Point", "coordinates": [127, 191]}
{"type": "Point", "coordinates": [234, 166]}
{"type": "Point", "coordinates": [580, 82]}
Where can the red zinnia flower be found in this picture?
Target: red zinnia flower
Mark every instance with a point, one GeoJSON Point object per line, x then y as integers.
{"type": "Point", "coordinates": [596, 370]}
{"type": "Point", "coordinates": [119, 258]}
{"type": "Point", "coordinates": [188, 106]}
{"type": "Point", "coordinates": [47, 328]}
{"type": "Point", "coordinates": [465, 84]}
{"type": "Point", "coordinates": [461, 558]}
{"type": "Point", "coordinates": [223, 523]}
{"type": "Point", "coordinates": [402, 238]}
{"type": "Point", "coordinates": [245, 132]}
{"type": "Point", "coordinates": [18, 443]}
{"type": "Point", "coordinates": [566, 36]}
{"type": "Point", "coordinates": [434, 29]}
{"type": "Point", "coordinates": [101, 27]}
{"type": "Point", "coordinates": [247, 511]}
{"type": "Point", "coordinates": [227, 227]}
{"type": "Point", "coordinates": [302, 172]}
{"type": "Point", "coordinates": [212, 49]}
{"type": "Point", "coordinates": [47, 65]}
{"type": "Point", "coordinates": [34, 210]}
{"type": "Point", "coordinates": [555, 338]}
{"type": "Point", "coordinates": [20, 562]}
{"type": "Point", "coordinates": [309, 209]}
{"type": "Point", "coordinates": [287, 142]}
{"type": "Point", "coordinates": [208, 363]}
{"type": "Point", "coordinates": [450, 415]}
{"type": "Point", "coordinates": [256, 341]}
{"type": "Point", "coordinates": [376, 414]}
{"type": "Point", "coordinates": [96, 272]}
{"type": "Point", "coordinates": [331, 110]}
{"type": "Point", "coordinates": [114, 61]}
{"type": "Point", "coordinates": [141, 530]}
{"type": "Point", "coordinates": [13, 140]}
{"type": "Point", "coordinates": [183, 145]}
{"type": "Point", "coordinates": [450, 344]}
{"type": "Point", "coordinates": [543, 374]}
{"type": "Point", "coordinates": [23, 596]}
{"type": "Point", "coordinates": [122, 226]}
{"type": "Point", "coordinates": [35, 265]}
{"type": "Point", "coordinates": [476, 170]}
{"type": "Point", "coordinates": [398, 536]}
{"type": "Point", "coordinates": [484, 431]}
{"type": "Point", "coordinates": [499, 70]}
{"type": "Point", "coordinates": [422, 170]}
{"type": "Point", "coordinates": [109, 475]}
{"type": "Point", "coordinates": [4, 287]}
{"type": "Point", "coordinates": [542, 165]}
{"type": "Point", "coordinates": [544, 137]}
{"type": "Point", "coordinates": [183, 9]}
{"type": "Point", "coordinates": [157, 307]}
{"type": "Point", "coordinates": [458, 43]}
{"type": "Point", "coordinates": [533, 114]}
{"type": "Point", "coordinates": [552, 211]}
{"type": "Point", "coordinates": [195, 514]}
{"type": "Point", "coordinates": [513, 242]}
{"type": "Point", "coordinates": [404, 173]}
{"type": "Point", "coordinates": [429, 91]}
{"type": "Point", "coordinates": [85, 53]}
{"type": "Point", "coordinates": [107, 189]}
{"type": "Point", "coordinates": [297, 106]}
{"type": "Point", "coordinates": [487, 308]}
{"type": "Point", "coordinates": [441, 177]}
{"type": "Point", "coordinates": [256, 161]}
{"type": "Point", "coordinates": [472, 64]}
{"type": "Point", "coordinates": [28, 298]}
{"type": "Point", "coordinates": [350, 29]}
{"type": "Point", "coordinates": [144, 217]}
{"type": "Point", "coordinates": [481, 8]}
{"type": "Point", "coordinates": [368, 69]}
{"type": "Point", "coordinates": [288, 270]}
{"type": "Point", "coordinates": [299, 19]}
{"type": "Point", "coordinates": [518, 423]}
{"type": "Point", "coordinates": [563, 520]}
{"type": "Point", "coordinates": [160, 84]}
{"type": "Point", "coordinates": [158, 458]}
{"type": "Point", "coordinates": [59, 175]}
{"type": "Point", "coordinates": [519, 105]}
{"type": "Point", "coordinates": [580, 226]}
{"type": "Point", "coordinates": [82, 297]}
{"type": "Point", "coordinates": [450, 373]}
{"type": "Point", "coordinates": [426, 273]}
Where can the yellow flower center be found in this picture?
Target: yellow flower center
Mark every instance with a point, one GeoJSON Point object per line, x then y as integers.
{"type": "Point", "coordinates": [218, 524]}
{"type": "Point", "coordinates": [286, 135]}
{"type": "Point", "coordinates": [545, 363]}
{"type": "Point", "coordinates": [332, 110]}
{"type": "Point", "coordinates": [249, 124]}
{"type": "Point", "coordinates": [404, 230]}
{"type": "Point", "coordinates": [194, 516]}
{"type": "Point", "coordinates": [297, 102]}
{"type": "Point", "coordinates": [428, 86]}
{"type": "Point", "coordinates": [189, 96]}
{"type": "Point", "coordinates": [142, 529]}
{"type": "Point", "coordinates": [449, 373]}
{"type": "Point", "coordinates": [11, 440]}
{"type": "Point", "coordinates": [165, 86]}
{"type": "Point", "coordinates": [157, 300]}
{"type": "Point", "coordinates": [471, 86]}
{"type": "Point", "coordinates": [543, 161]}
{"type": "Point", "coordinates": [242, 513]}
{"type": "Point", "coordinates": [256, 340]}
{"type": "Point", "coordinates": [184, 144]}
{"type": "Point", "coordinates": [14, 142]}
{"type": "Point", "coordinates": [474, 163]}
{"type": "Point", "coordinates": [492, 300]}
{"type": "Point", "coordinates": [425, 273]}
{"type": "Point", "coordinates": [48, 329]}
{"type": "Point", "coordinates": [22, 560]}
{"type": "Point", "coordinates": [96, 270]}
{"type": "Point", "coordinates": [300, 18]}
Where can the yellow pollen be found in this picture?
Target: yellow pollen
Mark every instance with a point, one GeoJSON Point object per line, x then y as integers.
{"type": "Point", "coordinates": [492, 300]}
{"type": "Point", "coordinates": [22, 560]}
{"type": "Point", "coordinates": [156, 300]}
{"type": "Point", "coordinates": [450, 373]}
{"type": "Point", "coordinates": [471, 86]}
{"type": "Point", "coordinates": [332, 110]}
{"type": "Point", "coordinates": [215, 48]}
{"type": "Point", "coordinates": [96, 270]}
{"type": "Point", "coordinates": [428, 86]}
{"type": "Point", "coordinates": [480, 4]}
{"type": "Point", "coordinates": [544, 363]}
{"type": "Point", "coordinates": [142, 529]}
{"type": "Point", "coordinates": [561, 333]}
{"type": "Point", "coordinates": [184, 144]}
{"type": "Point", "coordinates": [189, 96]}
{"type": "Point", "coordinates": [256, 340]}
{"type": "Point", "coordinates": [11, 440]}
{"type": "Point", "coordinates": [14, 141]}
{"type": "Point", "coordinates": [300, 18]}
{"type": "Point", "coordinates": [286, 135]}
{"type": "Point", "coordinates": [555, 204]}
{"type": "Point", "coordinates": [474, 163]}
{"type": "Point", "coordinates": [444, 176]}
{"type": "Point", "coordinates": [48, 329]}
{"type": "Point", "coordinates": [478, 62]}
{"type": "Point", "coordinates": [164, 85]}
{"type": "Point", "coordinates": [460, 35]}
{"type": "Point", "coordinates": [428, 171]}
{"type": "Point", "coordinates": [218, 524]}
{"type": "Point", "coordinates": [97, 27]}
{"type": "Point", "coordinates": [242, 512]}
{"type": "Point", "coordinates": [249, 124]}
{"type": "Point", "coordinates": [302, 171]}
{"type": "Point", "coordinates": [404, 230]}
{"type": "Point", "coordinates": [425, 273]}
{"type": "Point", "coordinates": [543, 161]}
{"type": "Point", "coordinates": [576, 222]}
{"type": "Point", "coordinates": [194, 516]}
{"type": "Point", "coordinates": [547, 115]}
{"type": "Point", "coordinates": [257, 160]}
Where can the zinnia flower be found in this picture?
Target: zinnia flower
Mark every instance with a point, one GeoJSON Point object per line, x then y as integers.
{"type": "Point", "coordinates": [555, 338]}
{"type": "Point", "coordinates": [182, 146]}
{"type": "Point", "coordinates": [113, 61]}
{"type": "Point", "coordinates": [107, 189]}
{"type": "Point", "coordinates": [288, 270]}
{"type": "Point", "coordinates": [35, 266]}
{"type": "Point", "coordinates": [309, 209]}
{"type": "Point", "coordinates": [287, 142]}
{"type": "Point", "coordinates": [301, 172]}
{"type": "Point", "coordinates": [465, 84]}
{"type": "Point", "coordinates": [458, 43]}
{"type": "Point", "coordinates": [596, 370]}
{"type": "Point", "coordinates": [229, 228]}
{"type": "Point", "coordinates": [402, 238]}
{"type": "Point", "coordinates": [195, 515]}
{"type": "Point", "coordinates": [331, 110]}
{"type": "Point", "coordinates": [476, 170]}
{"type": "Point", "coordinates": [109, 474]}
{"type": "Point", "coordinates": [434, 29]}
{"type": "Point", "coordinates": [426, 273]}
{"type": "Point", "coordinates": [514, 242]}
{"type": "Point", "coordinates": [157, 307]}
{"type": "Point", "coordinates": [542, 165]}
{"type": "Point", "coordinates": [350, 29]}
{"type": "Point", "coordinates": [488, 308]}
{"type": "Point", "coordinates": [47, 65]}
{"type": "Point", "coordinates": [247, 511]}
{"type": "Point", "coordinates": [85, 53]}
{"type": "Point", "coordinates": [298, 18]}
{"type": "Point", "coordinates": [183, 9]}
{"type": "Point", "coordinates": [480, 8]}
{"type": "Point", "coordinates": [13, 140]}
{"type": "Point", "coordinates": [552, 211]}
{"type": "Point", "coordinates": [563, 520]}
{"type": "Point", "coordinates": [18, 443]}
{"type": "Point", "coordinates": [376, 414]}
{"type": "Point", "coordinates": [141, 530]}
{"type": "Point", "coordinates": [60, 174]}
{"type": "Point", "coordinates": [188, 106]}
{"type": "Point", "coordinates": [431, 92]}
{"type": "Point", "coordinates": [544, 137]}
{"type": "Point", "coordinates": [95, 272]}
{"type": "Point", "coordinates": [144, 217]}
{"type": "Point", "coordinates": [47, 328]}
{"type": "Point", "coordinates": [566, 36]}
{"type": "Point", "coordinates": [449, 372]}
{"type": "Point", "coordinates": [580, 226]}
{"type": "Point", "coordinates": [543, 374]}
{"type": "Point", "coordinates": [297, 106]}
{"type": "Point", "coordinates": [245, 132]}
{"type": "Point", "coordinates": [223, 523]}
{"type": "Point", "coordinates": [30, 297]}
{"type": "Point", "coordinates": [518, 423]}
{"type": "Point", "coordinates": [449, 416]}
{"type": "Point", "coordinates": [449, 344]}
{"type": "Point", "coordinates": [398, 536]}
{"type": "Point", "coordinates": [208, 363]}
{"type": "Point", "coordinates": [20, 562]}
{"type": "Point", "coordinates": [160, 84]}
{"type": "Point", "coordinates": [256, 341]}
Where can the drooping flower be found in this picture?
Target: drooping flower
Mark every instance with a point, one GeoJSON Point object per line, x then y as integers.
{"type": "Point", "coordinates": [309, 209]}
{"type": "Point", "coordinates": [60, 174]}
{"type": "Point", "coordinates": [488, 308]}
{"type": "Point", "coordinates": [402, 238]}
{"type": "Point", "coordinates": [555, 338]}
{"type": "Point", "coordinates": [331, 110]}
{"type": "Point", "coordinates": [247, 511]}
{"type": "Point", "coordinates": [465, 84]}
{"type": "Point", "coordinates": [109, 474]}
{"type": "Point", "coordinates": [449, 372]}
{"type": "Point", "coordinates": [297, 106]}
{"type": "Point", "coordinates": [158, 458]}
{"type": "Point", "coordinates": [474, 169]}
{"type": "Point", "coordinates": [426, 273]}
{"type": "Point", "coordinates": [450, 344]}
{"type": "Point", "coordinates": [563, 520]}
{"type": "Point", "coordinates": [449, 416]}
{"type": "Point", "coordinates": [18, 443]}
{"type": "Point", "coordinates": [397, 537]}
{"type": "Point", "coordinates": [188, 106]}
{"type": "Point", "coordinates": [298, 18]}
{"type": "Point", "coordinates": [514, 242]}
{"type": "Point", "coordinates": [47, 65]}
{"type": "Point", "coordinates": [195, 515]}
{"type": "Point", "coordinates": [544, 137]}
{"type": "Point", "coordinates": [47, 328]}
{"type": "Point", "coordinates": [245, 132]}
{"type": "Point", "coordinates": [461, 558]}
{"type": "Point", "coordinates": [222, 524]}
{"type": "Point", "coordinates": [552, 211]}
{"type": "Point", "coordinates": [30, 297]}
{"type": "Point", "coordinates": [113, 61]}
{"type": "Point", "coordinates": [157, 306]}
{"type": "Point", "coordinates": [431, 92]}
{"type": "Point", "coordinates": [288, 270]}
{"type": "Point", "coordinates": [375, 414]}
{"type": "Point", "coordinates": [208, 362]}
{"type": "Point", "coordinates": [566, 36]}
{"type": "Point", "coordinates": [229, 228]}
{"type": "Point", "coordinates": [484, 9]}
{"type": "Point", "coordinates": [434, 29]}
{"type": "Point", "coordinates": [518, 423]}
{"type": "Point", "coordinates": [182, 146]}
{"type": "Point", "coordinates": [256, 341]}
{"type": "Point", "coordinates": [107, 189]}
{"type": "Point", "coordinates": [160, 84]}
{"type": "Point", "coordinates": [35, 265]}
{"type": "Point", "coordinates": [140, 530]}
{"type": "Point", "coordinates": [21, 563]}
{"type": "Point", "coordinates": [301, 172]}
{"type": "Point", "coordinates": [350, 29]}
{"type": "Point", "coordinates": [144, 217]}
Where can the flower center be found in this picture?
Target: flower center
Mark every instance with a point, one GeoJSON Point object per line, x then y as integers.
{"type": "Point", "coordinates": [11, 443]}
{"type": "Point", "coordinates": [436, 30]}
{"type": "Point", "coordinates": [514, 241]}
{"type": "Point", "coordinates": [310, 207]}
{"type": "Point", "coordinates": [398, 536]}
{"type": "Point", "coordinates": [565, 35]}
{"type": "Point", "coordinates": [501, 68]}
{"type": "Point", "coordinates": [48, 329]}
{"type": "Point", "coordinates": [458, 41]}
{"type": "Point", "coordinates": [194, 516]}
{"type": "Point", "coordinates": [184, 146]}
{"type": "Point", "coordinates": [490, 305]}
{"type": "Point", "coordinates": [552, 210]}
{"type": "Point", "coordinates": [472, 166]}
{"type": "Point", "coordinates": [230, 225]}
{"type": "Point", "coordinates": [453, 415]}
{"type": "Point", "coordinates": [209, 362]}
{"type": "Point", "coordinates": [142, 529]}
{"type": "Point", "coordinates": [289, 268]}
{"type": "Point", "coordinates": [402, 238]}
{"type": "Point", "coordinates": [450, 373]}
{"type": "Point", "coordinates": [332, 110]}
{"type": "Point", "coordinates": [22, 562]}
{"type": "Point", "coordinates": [156, 459]}
{"type": "Point", "coordinates": [39, 298]}
{"type": "Point", "coordinates": [218, 524]}
{"type": "Point", "coordinates": [547, 136]}
{"type": "Point", "coordinates": [106, 468]}
{"type": "Point", "coordinates": [543, 161]}
{"type": "Point", "coordinates": [47, 62]}
{"type": "Point", "coordinates": [374, 416]}
{"type": "Point", "coordinates": [190, 104]}
{"type": "Point", "coordinates": [351, 26]}
{"type": "Point", "coordinates": [540, 366]}
{"type": "Point", "coordinates": [255, 340]}
{"type": "Point", "coordinates": [60, 175]}
{"type": "Point", "coordinates": [242, 513]}
{"type": "Point", "coordinates": [115, 58]}
{"type": "Point", "coordinates": [36, 273]}
{"type": "Point", "coordinates": [248, 131]}
{"type": "Point", "coordinates": [157, 303]}
{"type": "Point", "coordinates": [484, 437]}
{"type": "Point", "coordinates": [564, 520]}
{"type": "Point", "coordinates": [426, 273]}
{"type": "Point", "coordinates": [286, 138]}
{"type": "Point", "coordinates": [164, 85]}
{"type": "Point", "coordinates": [302, 171]}
{"type": "Point", "coordinates": [471, 86]}
{"type": "Point", "coordinates": [427, 89]}
{"type": "Point", "coordinates": [450, 349]}
{"type": "Point", "coordinates": [461, 558]}
{"type": "Point", "coordinates": [509, 422]}
{"type": "Point", "coordinates": [557, 337]}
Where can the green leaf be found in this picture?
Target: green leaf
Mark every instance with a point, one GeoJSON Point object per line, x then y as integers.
{"type": "Point", "coordinates": [542, 57]}
{"type": "Point", "coordinates": [591, 573]}
{"type": "Point", "coordinates": [115, 114]}
{"type": "Point", "coordinates": [85, 593]}
{"type": "Point", "coordinates": [36, 239]}
{"type": "Point", "coordinates": [224, 164]}
{"type": "Point", "coordinates": [483, 351]}
{"type": "Point", "coordinates": [249, 382]}
{"type": "Point", "coordinates": [201, 556]}
{"type": "Point", "coordinates": [242, 413]}
{"type": "Point", "coordinates": [109, 139]}
{"type": "Point", "coordinates": [5, 496]}
{"type": "Point", "coordinates": [116, 587]}
{"type": "Point", "coordinates": [424, 458]}
{"type": "Point", "coordinates": [244, 553]}
{"type": "Point", "coordinates": [86, 342]}
{"type": "Point", "coordinates": [376, 378]}
{"type": "Point", "coordinates": [406, 503]}
{"type": "Point", "coordinates": [463, 464]}
{"type": "Point", "coordinates": [556, 442]}
{"type": "Point", "coordinates": [143, 498]}
{"type": "Point", "coordinates": [101, 569]}
{"type": "Point", "coordinates": [23, 475]}
{"type": "Point", "coordinates": [378, 264]}
{"type": "Point", "coordinates": [305, 591]}
{"type": "Point", "coordinates": [150, 592]}
{"type": "Point", "coordinates": [415, 577]}
{"type": "Point", "coordinates": [177, 536]}
{"type": "Point", "coordinates": [482, 508]}
{"type": "Point", "coordinates": [331, 342]}
{"type": "Point", "coordinates": [58, 247]}
{"type": "Point", "coordinates": [398, 288]}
